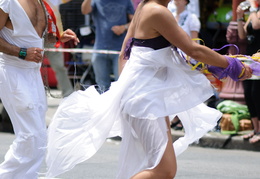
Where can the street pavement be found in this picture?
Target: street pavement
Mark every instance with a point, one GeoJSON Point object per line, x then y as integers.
{"type": "Point", "coordinates": [215, 156]}
{"type": "Point", "coordinates": [194, 163]}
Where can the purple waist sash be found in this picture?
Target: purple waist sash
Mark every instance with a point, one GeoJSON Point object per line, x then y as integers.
{"type": "Point", "coordinates": [154, 43]}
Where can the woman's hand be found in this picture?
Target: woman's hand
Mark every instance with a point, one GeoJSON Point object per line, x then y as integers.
{"type": "Point", "coordinates": [240, 12]}
{"type": "Point", "coordinates": [246, 73]}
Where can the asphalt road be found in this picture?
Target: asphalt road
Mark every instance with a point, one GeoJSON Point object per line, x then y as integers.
{"type": "Point", "coordinates": [194, 163]}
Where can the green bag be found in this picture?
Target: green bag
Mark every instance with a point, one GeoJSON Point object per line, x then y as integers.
{"type": "Point", "coordinates": [237, 111]}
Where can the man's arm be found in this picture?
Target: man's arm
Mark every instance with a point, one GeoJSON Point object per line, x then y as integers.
{"type": "Point", "coordinates": [5, 47]}
{"type": "Point", "coordinates": [33, 54]}
{"type": "Point", "coordinates": [86, 7]}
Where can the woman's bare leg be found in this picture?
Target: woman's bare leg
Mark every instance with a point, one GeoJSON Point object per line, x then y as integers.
{"type": "Point", "coordinates": [167, 167]}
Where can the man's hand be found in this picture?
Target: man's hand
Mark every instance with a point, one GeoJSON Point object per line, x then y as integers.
{"type": "Point", "coordinates": [68, 35]}
{"type": "Point", "coordinates": [118, 29]}
{"type": "Point", "coordinates": [34, 54]}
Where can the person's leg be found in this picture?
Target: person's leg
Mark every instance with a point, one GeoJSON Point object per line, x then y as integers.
{"type": "Point", "coordinates": [24, 98]}
{"type": "Point", "coordinates": [102, 69]}
{"type": "Point", "coordinates": [167, 167]}
{"type": "Point", "coordinates": [249, 98]}
{"type": "Point", "coordinates": [56, 60]}
{"type": "Point", "coordinates": [255, 96]}
{"type": "Point", "coordinates": [114, 58]}
{"type": "Point", "coordinates": [6, 122]}
{"type": "Point", "coordinates": [256, 124]}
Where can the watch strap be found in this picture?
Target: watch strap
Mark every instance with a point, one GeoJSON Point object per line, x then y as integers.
{"type": "Point", "coordinates": [22, 53]}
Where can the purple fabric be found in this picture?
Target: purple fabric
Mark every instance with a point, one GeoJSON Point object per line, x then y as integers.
{"type": "Point", "coordinates": [233, 70]}
{"type": "Point", "coordinates": [229, 45]}
{"type": "Point", "coordinates": [128, 48]}
{"type": "Point", "coordinates": [255, 66]}
{"type": "Point", "coordinates": [154, 43]}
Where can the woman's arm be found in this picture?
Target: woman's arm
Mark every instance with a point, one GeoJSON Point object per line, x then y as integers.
{"type": "Point", "coordinates": [121, 60]}
{"type": "Point", "coordinates": [158, 20]}
{"type": "Point", "coordinates": [241, 28]}
{"type": "Point", "coordinates": [194, 35]}
{"type": "Point", "coordinates": [129, 35]}
{"type": "Point", "coordinates": [166, 25]}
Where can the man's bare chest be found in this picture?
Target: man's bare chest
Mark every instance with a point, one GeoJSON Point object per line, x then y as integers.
{"type": "Point", "coordinates": [36, 14]}
{"type": "Point", "coordinates": [37, 17]}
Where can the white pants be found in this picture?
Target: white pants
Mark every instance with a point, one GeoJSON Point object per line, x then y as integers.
{"type": "Point", "coordinates": [23, 95]}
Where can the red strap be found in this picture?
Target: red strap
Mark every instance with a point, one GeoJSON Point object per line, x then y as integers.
{"type": "Point", "coordinates": [51, 21]}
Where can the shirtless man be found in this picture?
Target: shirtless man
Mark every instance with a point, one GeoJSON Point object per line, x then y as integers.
{"type": "Point", "coordinates": [23, 26]}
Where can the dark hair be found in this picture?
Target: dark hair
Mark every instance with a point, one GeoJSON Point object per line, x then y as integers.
{"type": "Point", "coordinates": [188, 1]}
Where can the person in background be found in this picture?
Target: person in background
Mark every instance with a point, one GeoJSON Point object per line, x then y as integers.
{"type": "Point", "coordinates": [193, 7]}
{"type": "Point", "coordinates": [190, 23]}
{"type": "Point", "coordinates": [111, 21]}
{"type": "Point", "coordinates": [23, 28]}
{"type": "Point", "coordinates": [56, 59]}
{"type": "Point", "coordinates": [251, 31]}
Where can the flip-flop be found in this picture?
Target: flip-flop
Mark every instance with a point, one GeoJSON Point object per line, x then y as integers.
{"type": "Point", "coordinates": [255, 139]}
{"type": "Point", "coordinates": [248, 136]}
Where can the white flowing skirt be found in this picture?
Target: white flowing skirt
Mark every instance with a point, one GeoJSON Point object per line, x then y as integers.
{"type": "Point", "coordinates": [153, 84]}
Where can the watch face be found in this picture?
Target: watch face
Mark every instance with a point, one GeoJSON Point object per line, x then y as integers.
{"type": "Point", "coordinates": [22, 53]}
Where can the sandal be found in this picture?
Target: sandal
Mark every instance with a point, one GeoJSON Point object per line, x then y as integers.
{"type": "Point", "coordinates": [255, 139]}
{"type": "Point", "coordinates": [248, 136]}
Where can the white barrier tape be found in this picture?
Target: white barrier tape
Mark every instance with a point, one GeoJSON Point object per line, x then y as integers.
{"type": "Point", "coordinates": [80, 50]}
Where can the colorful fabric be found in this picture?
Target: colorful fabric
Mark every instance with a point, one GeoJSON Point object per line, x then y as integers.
{"type": "Point", "coordinates": [52, 27]}
{"type": "Point", "coordinates": [237, 111]}
{"type": "Point", "coordinates": [233, 70]}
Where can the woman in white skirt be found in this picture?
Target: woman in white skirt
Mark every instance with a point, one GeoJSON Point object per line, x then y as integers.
{"type": "Point", "coordinates": [155, 82]}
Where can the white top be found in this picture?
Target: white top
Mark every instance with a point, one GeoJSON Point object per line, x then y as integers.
{"type": "Point", "coordinates": [188, 22]}
{"type": "Point", "coordinates": [23, 34]}
{"type": "Point", "coordinates": [193, 7]}
{"type": "Point", "coordinates": [56, 2]}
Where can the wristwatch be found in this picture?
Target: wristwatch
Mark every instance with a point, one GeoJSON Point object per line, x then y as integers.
{"type": "Point", "coordinates": [240, 19]}
{"type": "Point", "coordinates": [22, 53]}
